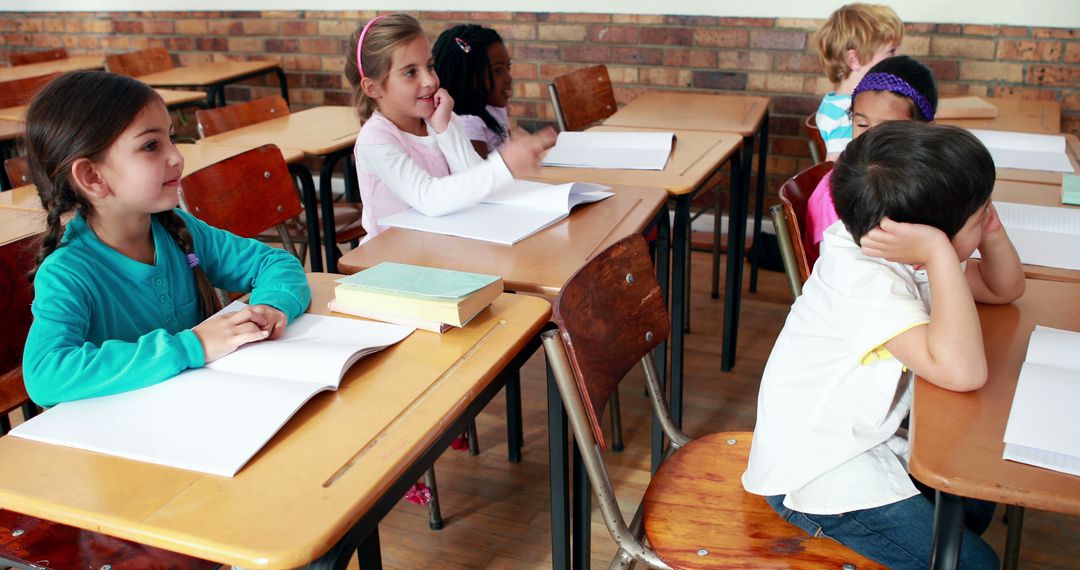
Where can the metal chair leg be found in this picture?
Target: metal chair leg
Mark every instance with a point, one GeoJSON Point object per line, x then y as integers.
{"type": "Point", "coordinates": [435, 520]}
{"type": "Point", "coordinates": [470, 434]}
{"type": "Point", "coordinates": [616, 422]}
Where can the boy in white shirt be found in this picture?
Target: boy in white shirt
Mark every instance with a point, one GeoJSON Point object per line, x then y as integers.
{"type": "Point", "coordinates": [829, 452]}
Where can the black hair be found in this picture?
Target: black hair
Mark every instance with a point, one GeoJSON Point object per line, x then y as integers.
{"type": "Point", "coordinates": [920, 77]}
{"type": "Point", "coordinates": [79, 115]}
{"type": "Point", "coordinates": [467, 75]}
{"type": "Point", "coordinates": [920, 173]}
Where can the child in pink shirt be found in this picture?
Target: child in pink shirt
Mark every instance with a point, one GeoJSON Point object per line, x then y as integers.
{"type": "Point", "coordinates": [896, 89]}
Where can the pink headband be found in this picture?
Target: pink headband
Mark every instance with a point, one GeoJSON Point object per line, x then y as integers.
{"type": "Point", "coordinates": [360, 43]}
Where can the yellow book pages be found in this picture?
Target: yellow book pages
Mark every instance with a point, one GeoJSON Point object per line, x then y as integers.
{"type": "Point", "coordinates": [454, 312]}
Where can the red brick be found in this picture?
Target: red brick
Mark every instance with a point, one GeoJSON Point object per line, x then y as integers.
{"type": "Point", "coordinates": [718, 80]}
{"type": "Point", "coordinates": [917, 28]}
{"type": "Point", "coordinates": [951, 89]}
{"type": "Point", "coordinates": [1054, 75]}
{"type": "Point", "coordinates": [586, 53]}
{"type": "Point", "coordinates": [637, 55]}
{"type": "Point", "coordinates": [558, 32]}
{"type": "Point", "coordinates": [525, 71]}
{"type": "Point", "coordinates": [47, 41]}
{"type": "Point", "coordinates": [248, 45]}
{"type": "Point", "coordinates": [1062, 33]}
{"type": "Point", "coordinates": [553, 70]}
{"type": "Point", "coordinates": [444, 15]}
{"type": "Point", "coordinates": [322, 80]}
{"type": "Point", "coordinates": [797, 61]}
{"type": "Point", "coordinates": [191, 27]}
{"type": "Point", "coordinates": [261, 27]}
{"type": "Point", "coordinates": [179, 44]}
{"type": "Point", "coordinates": [278, 45]}
{"type": "Point", "coordinates": [613, 34]}
{"type": "Point", "coordinates": [693, 21]}
{"type": "Point", "coordinates": [576, 18]}
{"type": "Point", "coordinates": [665, 76]}
{"type": "Point", "coordinates": [299, 28]}
{"type": "Point", "coordinates": [1071, 102]}
{"type": "Point", "coordinates": [721, 38]}
{"type": "Point", "coordinates": [290, 14]}
{"type": "Point", "coordinates": [994, 31]}
{"type": "Point", "coordinates": [518, 31]}
{"type": "Point", "coordinates": [1029, 50]}
{"type": "Point", "coordinates": [225, 27]}
{"type": "Point", "coordinates": [1072, 53]}
{"type": "Point", "coordinates": [742, 60]}
{"type": "Point", "coordinates": [650, 19]}
{"type": "Point", "coordinates": [338, 98]}
{"type": "Point", "coordinates": [1014, 92]}
{"type": "Point", "coordinates": [944, 70]}
{"type": "Point", "coordinates": [949, 29]}
{"type": "Point", "coordinates": [781, 125]}
{"type": "Point", "coordinates": [490, 16]}
{"type": "Point", "coordinates": [542, 52]}
{"type": "Point", "coordinates": [775, 39]}
{"type": "Point", "coordinates": [52, 26]}
{"type": "Point", "coordinates": [128, 27]}
{"type": "Point", "coordinates": [667, 36]}
{"type": "Point", "coordinates": [991, 71]}
{"type": "Point", "coordinates": [794, 105]}
{"type": "Point", "coordinates": [966, 48]}
{"type": "Point", "coordinates": [1071, 124]}
{"type": "Point", "coordinates": [524, 16]}
{"type": "Point", "coordinates": [789, 146]}
{"type": "Point", "coordinates": [747, 22]}
{"type": "Point", "coordinates": [684, 57]}
{"type": "Point", "coordinates": [30, 25]}
{"type": "Point", "coordinates": [160, 27]}
{"type": "Point", "coordinates": [211, 44]}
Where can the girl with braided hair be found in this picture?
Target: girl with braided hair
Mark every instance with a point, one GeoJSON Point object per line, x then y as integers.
{"type": "Point", "coordinates": [474, 65]}
{"type": "Point", "coordinates": [121, 292]}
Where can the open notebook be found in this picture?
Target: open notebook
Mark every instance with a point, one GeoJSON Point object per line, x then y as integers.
{"type": "Point", "coordinates": [1042, 235]}
{"type": "Point", "coordinates": [214, 419]}
{"type": "Point", "coordinates": [1026, 150]}
{"type": "Point", "coordinates": [612, 150]}
{"type": "Point", "coordinates": [511, 214]}
{"type": "Point", "coordinates": [1043, 423]}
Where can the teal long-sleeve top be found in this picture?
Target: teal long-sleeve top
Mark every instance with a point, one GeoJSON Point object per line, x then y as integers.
{"type": "Point", "coordinates": [105, 323]}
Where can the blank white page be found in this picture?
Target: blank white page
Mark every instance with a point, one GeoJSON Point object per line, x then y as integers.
{"type": "Point", "coordinates": [1043, 414]}
{"type": "Point", "coordinates": [1026, 150]}
{"type": "Point", "coordinates": [1054, 347]}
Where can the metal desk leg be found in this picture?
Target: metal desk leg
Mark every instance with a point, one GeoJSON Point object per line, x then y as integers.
{"type": "Point", "coordinates": [759, 202]}
{"type": "Point", "coordinates": [311, 214]}
{"type": "Point", "coordinates": [680, 274]}
{"type": "Point", "coordinates": [717, 229]}
{"type": "Point", "coordinates": [733, 281]}
{"type": "Point", "coordinates": [514, 438]}
{"type": "Point", "coordinates": [559, 477]}
{"type": "Point", "coordinates": [1015, 514]}
{"type": "Point", "coordinates": [582, 513]}
{"type": "Point", "coordinates": [283, 83]}
{"type": "Point", "coordinates": [326, 196]}
{"type": "Point", "coordinates": [948, 531]}
{"type": "Point", "coordinates": [369, 553]}
{"type": "Point", "coordinates": [663, 275]}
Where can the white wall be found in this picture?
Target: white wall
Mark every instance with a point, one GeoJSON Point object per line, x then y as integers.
{"type": "Point", "coordinates": [1051, 13]}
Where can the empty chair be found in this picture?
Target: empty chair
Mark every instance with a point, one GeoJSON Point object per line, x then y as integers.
{"type": "Point", "coordinates": [223, 119]}
{"type": "Point", "coordinates": [37, 56]}
{"type": "Point", "coordinates": [139, 63]}
{"type": "Point", "coordinates": [582, 97]}
{"type": "Point", "coordinates": [18, 171]}
{"type": "Point", "coordinates": [695, 513]}
{"type": "Point", "coordinates": [18, 92]}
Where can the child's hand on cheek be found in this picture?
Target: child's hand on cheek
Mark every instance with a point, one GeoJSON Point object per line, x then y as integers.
{"type": "Point", "coordinates": [444, 105]}
{"type": "Point", "coordinates": [913, 244]}
{"type": "Point", "coordinates": [991, 227]}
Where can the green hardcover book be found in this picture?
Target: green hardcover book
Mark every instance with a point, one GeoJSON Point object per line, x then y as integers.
{"type": "Point", "coordinates": [1070, 190]}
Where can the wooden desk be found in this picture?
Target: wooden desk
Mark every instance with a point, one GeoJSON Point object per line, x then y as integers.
{"type": "Point", "coordinates": [172, 97]}
{"type": "Point", "coordinates": [57, 65]}
{"type": "Point", "coordinates": [1072, 149]}
{"type": "Point", "coordinates": [11, 130]}
{"type": "Point", "coordinates": [328, 132]}
{"type": "Point", "coordinates": [1023, 115]}
{"type": "Point", "coordinates": [17, 224]}
{"type": "Point", "coordinates": [23, 198]}
{"type": "Point", "coordinates": [321, 485]}
{"type": "Point", "coordinates": [957, 438]}
{"type": "Point", "coordinates": [749, 117]}
{"type": "Point", "coordinates": [214, 76]}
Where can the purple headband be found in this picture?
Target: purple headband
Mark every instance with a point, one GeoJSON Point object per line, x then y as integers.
{"type": "Point", "coordinates": [893, 84]}
{"type": "Point", "coordinates": [360, 43]}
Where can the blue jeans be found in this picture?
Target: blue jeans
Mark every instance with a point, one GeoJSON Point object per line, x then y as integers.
{"type": "Point", "coordinates": [898, 535]}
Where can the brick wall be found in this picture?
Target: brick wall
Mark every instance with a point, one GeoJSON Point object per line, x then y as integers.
{"type": "Point", "coordinates": [765, 56]}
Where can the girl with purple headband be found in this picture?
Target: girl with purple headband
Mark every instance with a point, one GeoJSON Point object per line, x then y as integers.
{"type": "Point", "coordinates": [896, 89]}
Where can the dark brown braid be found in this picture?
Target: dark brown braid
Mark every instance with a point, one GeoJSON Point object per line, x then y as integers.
{"type": "Point", "coordinates": [208, 299]}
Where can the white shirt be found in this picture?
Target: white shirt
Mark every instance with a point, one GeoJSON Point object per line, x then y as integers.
{"type": "Point", "coordinates": [831, 401]}
{"type": "Point", "coordinates": [477, 130]}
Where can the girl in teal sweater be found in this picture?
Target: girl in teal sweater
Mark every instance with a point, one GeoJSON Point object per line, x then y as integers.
{"type": "Point", "coordinates": [121, 294]}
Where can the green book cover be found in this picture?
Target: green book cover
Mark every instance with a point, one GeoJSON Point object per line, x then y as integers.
{"type": "Point", "coordinates": [1070, 190]}
{"type": "Point", "coordinates": [427, 282]}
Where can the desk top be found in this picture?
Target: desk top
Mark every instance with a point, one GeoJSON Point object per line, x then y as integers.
{"type": "Point", "coordinates": [10, 130]}
{"type": "Point", "coordinates": [17, 224]}
{"type": "Point", "coordinates": [24, 198]}
{"type": "Point", "coordinates": [325, 468]}
{"type": "Point", "coordinates": [172, 98]}
{"type": "Point", "coordinates": [957, 438]}
{"type": "Point", "coordinates": [695, 158]}
{"type": "Point", "coordinates": [315, 131]}
{"type": "Point", "coordinates": [538, 264]}
{"type": "Point", "coordinates": [206, 74]}
{"type": "Point", "coordinates": [57, 65]}
{"type": "Point", "coordinates": [1024, 115]}
{"type": "Point", "coordinates": [740, 114]}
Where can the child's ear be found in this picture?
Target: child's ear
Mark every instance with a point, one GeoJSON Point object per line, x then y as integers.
{"type": "Point", "coordinates": [853, 62]}
{"type": "Point", "coordinates": [371, 88]}
{"type": "Point", "coordinates": [88, 179]}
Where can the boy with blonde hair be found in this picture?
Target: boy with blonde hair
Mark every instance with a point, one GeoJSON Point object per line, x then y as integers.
{"type": "Point", "coordinates": [854, 38]}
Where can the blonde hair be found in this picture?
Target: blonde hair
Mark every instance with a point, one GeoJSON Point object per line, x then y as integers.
{"type": "Point", "coordinates": [861, 27]}
{"type": "Point", "coordinates": [382, 38]}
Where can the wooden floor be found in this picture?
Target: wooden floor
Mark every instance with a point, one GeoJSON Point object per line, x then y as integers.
{"type": "Point", "coordinates": [497, 514]}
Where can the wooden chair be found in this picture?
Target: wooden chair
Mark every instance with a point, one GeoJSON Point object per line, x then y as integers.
{"type": "Point", "coordinates": [695, 513]}
{"type": "Point", "coordinates": [582, 98]}
{"type": "Point", "coordinates": [789, 218]}
{"type": "Point", "coordinates": [37, 56]}
{"type": "Point", "coordinates": [814, 140]}
{"type": "Point", "coordinates": [26, 541]}
{"type": "Point", "coordinates": [223, 119]}
{"type": "Point", "coordinates": [18, 171]}
{"type": "Point", "coordinates": [142, 62]}
{"type": "Point", "coordinates": [19, 91]}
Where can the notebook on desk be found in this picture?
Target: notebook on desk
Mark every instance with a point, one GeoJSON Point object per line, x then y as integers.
{"type": "Point", "coordinates": [1043, 423]}
{"type": "Point", "coordinates": [214, 419]}
{"type": "Point", "coordinates": [612, 150]}
{"type": "Point", "coordinates": [1026, 150]}
{"type": "Point", "coordinates": [1042, 235]}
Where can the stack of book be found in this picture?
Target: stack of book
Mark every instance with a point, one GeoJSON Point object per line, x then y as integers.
{"type": "Point", "coordinates": [420, 297]}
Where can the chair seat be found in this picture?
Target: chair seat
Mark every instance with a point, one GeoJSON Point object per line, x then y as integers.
{"type": "Point", "coordinates": [696, 502]}
{"type": "Point", "coordinates": [45, 543]}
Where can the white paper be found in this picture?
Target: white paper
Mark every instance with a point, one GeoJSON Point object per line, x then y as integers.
{"type": "Point", "coordinates": [508, 215]}
{"type": "Point", "coordinates": [1042, 235]}
{"type": "Point", "coordinates": [611, 150]}
{"type": "Point", "coordinates": [1043, 423]}
{"type": "Point", "coordinates": [1025, 150]}
{"type": "Point", "coordinates": [214, 419]}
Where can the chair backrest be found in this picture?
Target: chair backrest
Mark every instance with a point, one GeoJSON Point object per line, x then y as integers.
{"type": "Point", "coordinates": [245, 194]}
{"type": "Point", "coordinates": [223, 119]}
{"type": "Point", "coordinates": [813, 135]}
{"type": "Point", "coordinates": [19, 91]}
{"type": "Point", "coordinates": [18, 171]}
{"type": "Point", "coordinates": [38, 56]}
{"type": "Point", "coordinates": [610, 314]}
{"type": "Point", "coordinates": [794, 195]}
{"type": "Point", "coordinates": [138, 63]}
{"type": "Point", "coordinates": [583, 97]}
